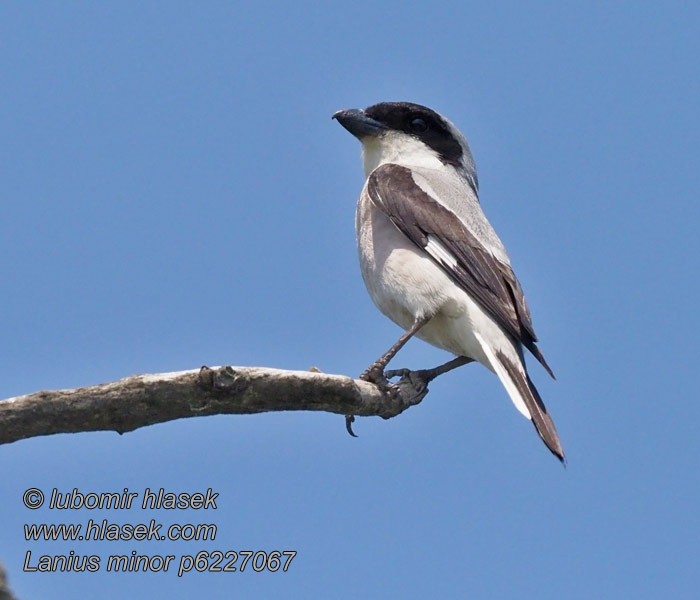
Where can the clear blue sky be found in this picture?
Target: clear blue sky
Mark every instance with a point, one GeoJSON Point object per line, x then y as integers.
{"type": "Point", "coordinates": [174, 193]}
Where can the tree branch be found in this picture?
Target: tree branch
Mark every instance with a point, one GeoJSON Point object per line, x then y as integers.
{"type": "Point", "coordinates": [5, 592]}
{"type": "Point", "coordinates": [143, 400]}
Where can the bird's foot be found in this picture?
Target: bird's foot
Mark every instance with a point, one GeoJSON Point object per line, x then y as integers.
{"type": "Point", "coordinates": [375, 374]}
{"type": "Point", "coordinates": [413, 385]}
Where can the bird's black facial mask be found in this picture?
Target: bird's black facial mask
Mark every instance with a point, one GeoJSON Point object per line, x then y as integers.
{"type": "Point", "coordinates": [422, 123]}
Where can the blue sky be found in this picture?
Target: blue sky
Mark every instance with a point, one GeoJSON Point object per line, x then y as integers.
{"type": "Point", "coordinates": [174, 193]}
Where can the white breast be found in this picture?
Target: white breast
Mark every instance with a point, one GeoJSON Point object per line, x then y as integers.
{"type": "Point", "coordinates": [406, 284]}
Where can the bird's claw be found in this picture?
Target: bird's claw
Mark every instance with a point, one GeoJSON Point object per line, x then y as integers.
{"type": "Point", "coordinates": [375, 374]}
{"type": "Point", "coordinates": [413, 384]}
{"type": "Point", "coordinates": [397, 373]}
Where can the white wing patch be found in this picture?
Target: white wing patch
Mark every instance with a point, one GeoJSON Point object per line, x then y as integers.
{"type": "Point", "coordinates": [504, 377]}
{"type": "Point", "coordinates": [435, 248]}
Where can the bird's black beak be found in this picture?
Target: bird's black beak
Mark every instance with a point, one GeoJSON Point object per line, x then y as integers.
{"type": "Point", "coordinates": [358, 123]}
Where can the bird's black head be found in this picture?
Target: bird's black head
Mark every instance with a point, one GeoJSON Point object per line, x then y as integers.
{"type": "Point", "coordinates": [423, 123]}
{"type": "Point", "coordinates": [396, 132]}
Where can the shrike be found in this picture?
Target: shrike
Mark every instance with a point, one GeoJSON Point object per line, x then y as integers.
{"type": "Point", "coordinates": [430, 259]}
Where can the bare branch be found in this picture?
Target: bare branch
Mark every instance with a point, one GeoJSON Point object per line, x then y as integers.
{"type": "Point", "coordinates": [5, 593]}
{"type": "Point", "coordinates": [142, 400]}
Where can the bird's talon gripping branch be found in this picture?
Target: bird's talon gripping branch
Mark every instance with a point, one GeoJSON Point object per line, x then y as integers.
{"type": "Point", "coordinates": [397, 373]}
{"type": "Point", "coordinates": [385, 386]}
{"type": "Point", "coordinates": [413, 384]}
{"type": "Point", "coordinates": [374, 374]}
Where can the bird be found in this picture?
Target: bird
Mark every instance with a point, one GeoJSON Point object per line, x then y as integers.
{"type": "Point", "coordinates": [430, 259]}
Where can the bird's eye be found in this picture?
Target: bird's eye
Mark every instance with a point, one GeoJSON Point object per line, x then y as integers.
{"type": "Point", "coordinates": [418, 125]}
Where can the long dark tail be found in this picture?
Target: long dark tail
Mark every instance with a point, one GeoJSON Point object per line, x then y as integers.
{"type": "Point", "coordinates": [529, 395]}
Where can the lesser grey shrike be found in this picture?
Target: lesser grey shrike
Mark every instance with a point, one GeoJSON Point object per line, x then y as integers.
{"type": "Point", "coordinates": [430, 259]}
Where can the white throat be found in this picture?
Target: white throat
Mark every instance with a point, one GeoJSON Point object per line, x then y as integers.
{"type": "Point", "coordinates": [398, 148]}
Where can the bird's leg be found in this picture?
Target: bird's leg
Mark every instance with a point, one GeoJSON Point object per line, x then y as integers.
{"type": "Point", "coordinates": [375, 372]}
{"type": "Point", "coordinates": [429, 374]}
{"type": "Point", "coordinates": [419, 380]}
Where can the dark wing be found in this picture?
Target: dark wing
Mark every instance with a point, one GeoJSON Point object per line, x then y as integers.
{"type": "Point", "coordinates": [430, 226]}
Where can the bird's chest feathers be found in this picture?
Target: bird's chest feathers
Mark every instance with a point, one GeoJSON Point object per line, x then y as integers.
{"type": "Point", "coordinates": [401, 279]}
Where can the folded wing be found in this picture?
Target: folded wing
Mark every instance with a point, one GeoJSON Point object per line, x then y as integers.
{"type": "Point", "coordinates": [443, 235]}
